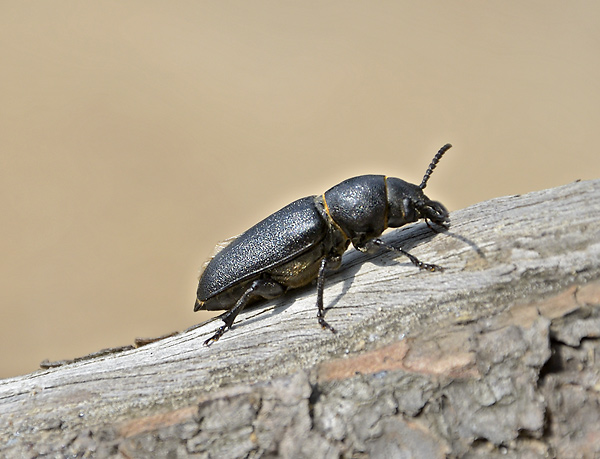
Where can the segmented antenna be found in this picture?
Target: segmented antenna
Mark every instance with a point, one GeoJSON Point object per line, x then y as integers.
{"type": "Point", "coordinates": [434, 162]}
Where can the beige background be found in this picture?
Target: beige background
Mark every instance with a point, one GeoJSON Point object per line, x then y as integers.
{"type": "Point", "coordinates": [135, 135]}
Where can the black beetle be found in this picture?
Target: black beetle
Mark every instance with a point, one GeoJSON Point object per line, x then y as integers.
{"type": "Point", "coordinates": [295, 245]}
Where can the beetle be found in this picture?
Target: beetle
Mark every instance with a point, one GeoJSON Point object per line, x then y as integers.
{"type": "Point", "coordinates": [296, 244]}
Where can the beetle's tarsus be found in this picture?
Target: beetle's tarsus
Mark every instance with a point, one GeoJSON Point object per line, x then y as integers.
{"type": "Point", "coordinates": [419, 264]}
{"type": "Point", "coordinates": [431, 268]}
{"type": "Point", "coordinates": [214, 338]}
{"type": "Point", "coordinates": [326, 326]}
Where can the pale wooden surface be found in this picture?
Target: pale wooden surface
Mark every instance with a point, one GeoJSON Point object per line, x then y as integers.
{"type": "Point", "coordinates": [279, 384]}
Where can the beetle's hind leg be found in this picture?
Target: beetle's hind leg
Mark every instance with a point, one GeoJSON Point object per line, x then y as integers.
{"type": "Point", "coordinates": [262, 288]}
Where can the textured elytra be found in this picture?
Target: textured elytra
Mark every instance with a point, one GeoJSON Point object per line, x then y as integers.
{"type": "Point", "coordinates": [272, 242]}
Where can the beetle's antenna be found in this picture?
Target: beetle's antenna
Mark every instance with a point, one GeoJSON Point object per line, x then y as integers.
{"type": "Point", "coordinates": [434, 162]}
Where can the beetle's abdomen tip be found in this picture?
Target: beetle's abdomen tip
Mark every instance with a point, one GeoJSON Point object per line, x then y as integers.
{"type": "Point", "coordinates": [198, 305]}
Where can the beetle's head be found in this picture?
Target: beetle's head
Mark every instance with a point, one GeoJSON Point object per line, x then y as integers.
{"type": "Point", "coordinates": [407, 203]}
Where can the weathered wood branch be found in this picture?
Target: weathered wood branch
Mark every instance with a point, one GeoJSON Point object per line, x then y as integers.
{"type": "Point", "coordinates": [499, 354]}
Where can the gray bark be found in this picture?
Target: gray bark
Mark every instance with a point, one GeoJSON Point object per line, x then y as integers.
{"type": "Point", "coordinates": [497, 356]}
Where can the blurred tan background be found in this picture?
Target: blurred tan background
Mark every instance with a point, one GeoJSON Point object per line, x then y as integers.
{"type": "Point", "coordinates": [135, 135]}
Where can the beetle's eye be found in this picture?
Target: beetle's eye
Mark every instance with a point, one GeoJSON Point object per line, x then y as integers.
{"type": "Point", "coordinates": [410, 213]}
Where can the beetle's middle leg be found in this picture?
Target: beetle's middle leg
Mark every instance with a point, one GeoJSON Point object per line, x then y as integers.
{"type": "Point", "coordinates": [263, 288]}
{"type": "Point", "coordinates": [414, 260]}
{"type": "Point", "coordinates": [333, 262]}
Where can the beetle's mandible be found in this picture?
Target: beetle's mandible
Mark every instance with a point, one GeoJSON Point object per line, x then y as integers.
{"type": "Point", "coordinates": [296, 244]}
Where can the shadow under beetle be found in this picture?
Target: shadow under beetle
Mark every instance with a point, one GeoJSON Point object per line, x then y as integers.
{"type": "Point", "coordinates": [295, 245]}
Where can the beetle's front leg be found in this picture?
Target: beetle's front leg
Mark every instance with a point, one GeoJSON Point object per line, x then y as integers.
{"type": "Point", "coordinates": [335, 263]}
{"type": "Point", "coordinates": [445, 226]}
{"type": "Point", "coordinates": [414, 260]}
{"type": "Point", "coordinates": [264, 288]}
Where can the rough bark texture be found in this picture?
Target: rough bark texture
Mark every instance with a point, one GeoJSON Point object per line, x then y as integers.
{"type": "Point", "coordinates": [497, 356]}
